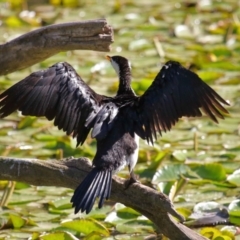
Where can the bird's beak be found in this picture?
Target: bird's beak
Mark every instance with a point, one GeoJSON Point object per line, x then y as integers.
{"type": "Point", "coordinates": [108, 58]}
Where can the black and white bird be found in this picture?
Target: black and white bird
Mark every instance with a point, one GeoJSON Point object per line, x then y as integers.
{"type": "Point", "coordinates": [59, 93]}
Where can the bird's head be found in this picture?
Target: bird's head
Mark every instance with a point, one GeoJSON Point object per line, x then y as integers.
{"type": "Point", "coordinates": [120, 64]}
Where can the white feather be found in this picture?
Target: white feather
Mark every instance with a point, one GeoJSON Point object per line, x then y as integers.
{"type": "Point", "coordinates": [115, 67]}
{"type": "Point", "coordinates": [132, 159]}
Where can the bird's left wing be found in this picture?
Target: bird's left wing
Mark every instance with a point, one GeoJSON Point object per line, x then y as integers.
{"type": "Point", "coordinates": [174, 93]}
{"type": "Point", "coordinates": [57, 93]}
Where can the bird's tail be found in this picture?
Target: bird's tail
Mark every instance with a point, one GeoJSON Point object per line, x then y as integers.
{"type": "Point", "coordinates": [96, 184]}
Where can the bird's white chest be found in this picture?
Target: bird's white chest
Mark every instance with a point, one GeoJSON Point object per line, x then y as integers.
{"type": "Point", "coordinates": [130, 160]}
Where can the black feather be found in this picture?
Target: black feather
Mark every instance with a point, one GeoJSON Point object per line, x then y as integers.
{"type": "Point", "coordinates": [97, 184]}
{"type": "Point", "coordinates": [174, 93]}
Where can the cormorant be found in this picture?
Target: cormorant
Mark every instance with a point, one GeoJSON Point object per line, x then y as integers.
{"type": "Point", "coordinates": [59, 93]}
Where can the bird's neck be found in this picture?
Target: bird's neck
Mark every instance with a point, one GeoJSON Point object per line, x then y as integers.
{"type": "Point", "coordinates": [125, 83]}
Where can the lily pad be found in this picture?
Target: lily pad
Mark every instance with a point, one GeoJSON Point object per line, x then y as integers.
{"type": "Point", "coordinates": [86, 226]}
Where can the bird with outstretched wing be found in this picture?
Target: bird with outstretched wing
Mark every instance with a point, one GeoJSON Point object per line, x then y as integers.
{"type": "Point", "coordinates": [60, 94]}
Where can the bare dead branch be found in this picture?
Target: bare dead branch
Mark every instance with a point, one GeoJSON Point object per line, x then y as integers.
{"type": "Point", "coordinates": [37, 45]}
{"type": "Point", "coordinates": [70, 172]}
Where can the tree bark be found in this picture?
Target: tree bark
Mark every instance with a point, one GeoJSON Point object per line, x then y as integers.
{"type": "Point", "coordinates": [70, 172]}
{"type": "Point", "coordinates": [37, 45]}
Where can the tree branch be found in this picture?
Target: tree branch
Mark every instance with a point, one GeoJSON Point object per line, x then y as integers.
{"type": "Point", "coordinates": [70, 172]}
{"type": "Point", "coordinates": [37, 45]}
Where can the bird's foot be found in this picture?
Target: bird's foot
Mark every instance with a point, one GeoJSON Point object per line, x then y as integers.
{"type": "Point", "coordinates": [133, 179]}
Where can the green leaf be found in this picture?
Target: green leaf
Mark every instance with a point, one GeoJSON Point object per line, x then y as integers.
{"type": "Point", "coordinates": [134, 226]}
{"type": "Point", "coordinates": [234, 178]}
{"type": "Point", "coordinates": [213, 171]}
{"type": "Point", "coordinates": [234, 220]}
{"type": "Point", "coordinates": [21, 185]}
{"type": "Point", "coordinates": [224, 65]}
{"type": "Point", "coordinates": [139, 44]}
{"type": "Point", "coordinates": [169, 173]}
{"type": "Point", "coordinates": [16, 3]}
{"type": "Point", "coordinates": [176, 188]}
{"type": "Point", "coordinates": [210, 232]}
{"type": "Point", "coordinates": [234, 208]}
{"type": "Point", "coordinates": [229, 230]}
{"type": "Point", "coordinates": [45, 137]}
{"type": "Point", "coordinates": [208, 76]}
{"type": "Point", "coordinates": [20, 198]}
{"type": "Point", "coordinates": [141, 86]}
{"type": "Point", "coordinates": [86, 226]}
{"type": "Point", "coordinates": [61, 203]}
{"type": "Point", "coordinates": [35, 236]}
{"type": "Point", "coordinates": [26, 122]}
{"type": "Point", "coordinates": [70, 3]}
{"type": "Point", "coordinates": [58, 236]}
{"type": "Point", "coordinates": [17, 221]}
{"type": "Point", "coordinates": [221, 50]}
{"type": "Point", "coordinates": [127, 213]}
{"type": "Point", "coordinates": [93, 236]}
{"type": "Point", "coordinates": [223, 238]}
{"type": "Point", "coordinates": [180, 155]}
{"type": "Point", "coordinates": [185, 212]}
{"type": "Point", "coordinates": [13, 21]}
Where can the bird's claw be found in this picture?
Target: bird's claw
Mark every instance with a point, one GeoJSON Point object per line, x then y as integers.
{"type": "Point", "coordinates": [133, 179]}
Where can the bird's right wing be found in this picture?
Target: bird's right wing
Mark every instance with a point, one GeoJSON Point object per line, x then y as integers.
{"type": "Point", "coordinates": [57, 93]}
{"type": "Point", "coordinates": [174, 93]}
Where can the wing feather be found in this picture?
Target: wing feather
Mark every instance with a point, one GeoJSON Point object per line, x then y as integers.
{"type": "Point", "coordinates": [57, 93]}
{"type": "Point", "coordinates": [174, 93]}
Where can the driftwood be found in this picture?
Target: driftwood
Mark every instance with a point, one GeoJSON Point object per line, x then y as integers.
{"type": "Point", "coordinates": [37, 45]}
{"type": "Point", "coordinates": [70, 172]}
